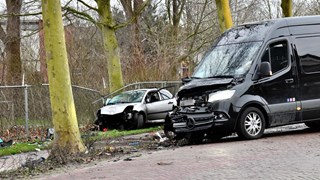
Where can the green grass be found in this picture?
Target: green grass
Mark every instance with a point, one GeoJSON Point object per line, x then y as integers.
{"type": "Point", "coordinates": [95, 136]}
{"type": "Point", "coordinates": [19, 148]}
{"type": "Point", "coordinates": [116, 133]}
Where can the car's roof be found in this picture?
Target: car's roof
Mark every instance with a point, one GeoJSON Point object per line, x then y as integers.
{"type": "Point", "coordinates": [144, 89]}
{"type": "Point", "coordinates": [148, 89]}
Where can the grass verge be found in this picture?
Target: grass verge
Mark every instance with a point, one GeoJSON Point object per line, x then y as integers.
{"type": "Point", "coordinates": [19, 148]}
{"type": "Point", "coordinates": [91, 136]}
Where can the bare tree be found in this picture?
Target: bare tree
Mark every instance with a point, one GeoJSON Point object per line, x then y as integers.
{"type": "Point", "coordinates": [11, 40]}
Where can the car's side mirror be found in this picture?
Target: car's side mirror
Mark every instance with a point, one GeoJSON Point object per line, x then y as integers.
{"type": "Point", "coordinates": [265, 69]}
{"type": "Point", "coordinates": [106, 101]}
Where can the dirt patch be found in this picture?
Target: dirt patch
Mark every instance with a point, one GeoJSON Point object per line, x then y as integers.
{"type": "Point", "coordinates": [115, 149]}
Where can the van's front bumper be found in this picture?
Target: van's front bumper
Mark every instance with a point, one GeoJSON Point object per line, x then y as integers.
{"type": "Point", "coordinates": [191, 119]}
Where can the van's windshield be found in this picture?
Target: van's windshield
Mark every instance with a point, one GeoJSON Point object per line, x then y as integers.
{"type": "Point", "coordinates": [227, 60]}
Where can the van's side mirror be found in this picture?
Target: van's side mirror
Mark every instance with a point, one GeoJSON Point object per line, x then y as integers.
{"type": "Point", "coordinates": [265, 69]}
{"type": "Point", "coordinates": [185, 80]}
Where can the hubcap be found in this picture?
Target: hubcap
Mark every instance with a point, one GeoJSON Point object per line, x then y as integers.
{"type": "Point", "coordinates": [253, 124]}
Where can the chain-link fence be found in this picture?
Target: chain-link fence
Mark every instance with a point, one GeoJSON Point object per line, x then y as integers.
{"type": "Point", "coordinates": [25, 110]}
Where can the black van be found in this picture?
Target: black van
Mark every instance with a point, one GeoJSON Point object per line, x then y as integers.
{"type": "Point", "coordinates": [255, 76]}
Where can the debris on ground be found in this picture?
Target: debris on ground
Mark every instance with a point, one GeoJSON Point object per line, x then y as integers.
{"type": "Point", "coordinates": [127, 159]}
{"type": "Point", "coordinates": [135, 143]}
{"type": "Point", "coordinates": [164, 163]}
{"type": "Point", "coordinates": [50, 133]}
{"type": "Point", "coordinates": [6, 143]}
{"type": "Point", "coordinates": [32, 163]}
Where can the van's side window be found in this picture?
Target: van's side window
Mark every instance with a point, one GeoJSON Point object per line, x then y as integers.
{"type": "Point", "coordinates": [309, 53]}
{"type": "Point", "coordinates": [277, 55]}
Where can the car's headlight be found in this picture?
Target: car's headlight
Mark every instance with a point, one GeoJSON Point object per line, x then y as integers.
{"type": "Point", "coordinates": [221, 95]}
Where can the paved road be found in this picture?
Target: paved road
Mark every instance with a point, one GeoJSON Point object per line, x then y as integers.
{"type": "Point", "coordinates": [291, 153]}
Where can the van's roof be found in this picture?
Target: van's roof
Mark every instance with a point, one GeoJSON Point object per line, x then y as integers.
{"type": "Point", "coordinates": [290, 21]}
{"type": "Point", "coordinates": [268, 29]}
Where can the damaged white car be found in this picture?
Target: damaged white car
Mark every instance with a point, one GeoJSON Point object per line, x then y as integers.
{"type": "Point", "coordinates": [133, 109]}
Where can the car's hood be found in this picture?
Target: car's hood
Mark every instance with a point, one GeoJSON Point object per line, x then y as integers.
{"type": "Point", "coordinates": [115, 109]}
{"type": "Point", "coordinates": [200, 85]}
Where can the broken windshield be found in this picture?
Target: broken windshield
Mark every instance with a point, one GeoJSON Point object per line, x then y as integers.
{"type": "Point", "coordinates": [128, 97]}
{"type": "Point", "coordinates": [227, 60]}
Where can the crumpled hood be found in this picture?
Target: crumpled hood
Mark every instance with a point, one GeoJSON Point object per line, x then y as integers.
{"type": "Point", "coordinates": [115, 109]}
{"type": "Point", "coordinates": [197, 85]}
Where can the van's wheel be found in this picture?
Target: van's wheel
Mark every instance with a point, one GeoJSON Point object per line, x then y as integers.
{"type": "Point", "coordinates": [314, 125]}
{"type": "Point", "coordinates": [251, 124]}
{"type": "Point", "coordinates": [139, 120]}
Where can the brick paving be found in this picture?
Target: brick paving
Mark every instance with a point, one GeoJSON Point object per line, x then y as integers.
{"type": "Point", "coordinates": [283, 153]}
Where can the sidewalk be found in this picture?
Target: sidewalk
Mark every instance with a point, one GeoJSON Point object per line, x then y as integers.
{"type": "Point", "coordinates": [15, 161]}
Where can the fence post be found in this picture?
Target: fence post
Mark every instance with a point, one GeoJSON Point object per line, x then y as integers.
{"type": "Point", "coordinates": [26, 109]}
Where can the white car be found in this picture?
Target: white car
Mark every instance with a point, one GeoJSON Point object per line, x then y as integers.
{"type": "Point", "coordinates": [133, 109]}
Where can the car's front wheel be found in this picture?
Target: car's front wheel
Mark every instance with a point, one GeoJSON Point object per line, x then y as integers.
{"type": "Point", "coordinates": [138, 120]}
{"type": "Point", "coordinates": [251, 124]}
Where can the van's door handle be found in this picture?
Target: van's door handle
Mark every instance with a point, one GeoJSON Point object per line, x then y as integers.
{"type": "Point", "coordinates": [289, 81]}
{"type": "Point", "coordinates": [170, 102]}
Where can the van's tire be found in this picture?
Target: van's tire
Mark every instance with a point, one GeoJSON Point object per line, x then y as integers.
{"type": "Point", "coordinates": [314, 125]}
{"type": "Point", "coordinates": [251, 124]}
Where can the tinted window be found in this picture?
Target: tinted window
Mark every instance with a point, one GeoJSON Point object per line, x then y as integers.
{"type": "Point", "coordinates": [277, 55]}
{"type": "Point", "coordinates": [308, 49]}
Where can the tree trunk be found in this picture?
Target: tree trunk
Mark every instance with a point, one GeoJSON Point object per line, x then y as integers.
{"type": "Point", "coordinates": [67, 136]}
{"type": "Point", "coordinates": [224, 14]}
{"type": "Point", "coordinates": [110, 43]}
{"type": "Point", "coordinates": [135, 46]}
{"type": "Point", "coordinates": [177, 9]}
{"type": "Point", "coordinates": [12, 43]}
{"type": "Point", "coordinates": [130, 12]}
{"type": "Point", "coordinates": [286, 6]}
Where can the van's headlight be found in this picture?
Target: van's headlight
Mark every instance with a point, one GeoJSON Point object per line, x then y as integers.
{"type": "Point", "coordinates": [221, 95]}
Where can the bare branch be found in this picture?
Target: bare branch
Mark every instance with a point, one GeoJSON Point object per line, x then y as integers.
{"type": "Point", "coordinates": [2, 35]}
{"type": "Point", "coordinates": [87, 5]}
{"type": "Point", "coordinates": [134, 17]}
{"type": "Point", "coordinates": [14, 14]}
{"type": "Point", "coordinates": [81, 15]}
{"type": "Point", "coordinates": [181, 9]}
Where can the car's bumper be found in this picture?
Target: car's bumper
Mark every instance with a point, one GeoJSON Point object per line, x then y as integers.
{"type": "Point", "coordinates": [114, 121]}
{"type": "Point", "coordinates": [199, 119]}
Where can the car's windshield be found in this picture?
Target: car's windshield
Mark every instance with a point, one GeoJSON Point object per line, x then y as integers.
{"type": "Point", "coordinates": [227, 60]}
{"type": "Point", "coordinates": [128, 97]}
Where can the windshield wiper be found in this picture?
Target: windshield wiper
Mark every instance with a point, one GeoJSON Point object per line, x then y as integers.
{"type": "Point", "coordinates": [188, 79]}
{"type": "Point", "coordinates": [221, 76]}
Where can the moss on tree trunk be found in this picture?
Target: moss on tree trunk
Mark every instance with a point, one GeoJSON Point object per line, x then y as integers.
{"type": "Point", "coordinates": [111, 46]}
{"type": "Point", "coordinates": [67, 136]}
{"type": "Point", "coordinates": [224, 14]}
{"type": "Point", "coordinates": [286, 6]}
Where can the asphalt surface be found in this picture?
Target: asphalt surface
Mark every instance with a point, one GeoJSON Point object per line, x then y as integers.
{"type": "Point", "coordinates": [290, 152]}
